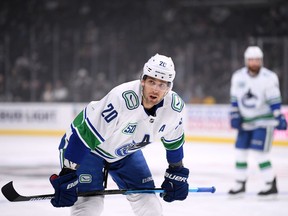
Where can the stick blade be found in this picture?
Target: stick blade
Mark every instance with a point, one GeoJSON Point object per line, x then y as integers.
{"type": "Point", "coordinates": [9, 192]}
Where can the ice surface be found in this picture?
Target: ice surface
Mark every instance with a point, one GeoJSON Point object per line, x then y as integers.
{"type": "Point", "coordinates": [29, 161]}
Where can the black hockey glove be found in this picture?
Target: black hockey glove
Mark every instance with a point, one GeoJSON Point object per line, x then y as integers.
{"type": "Point", "coordinates": [65, 186]}
{"type": "Point", "coordinates": [175, 185]}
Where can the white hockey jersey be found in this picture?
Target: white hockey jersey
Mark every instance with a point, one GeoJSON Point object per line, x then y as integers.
{"type": "Point", "coordinates": [118, 125]}
{"type": "Point", "coordinates": [254, 96]}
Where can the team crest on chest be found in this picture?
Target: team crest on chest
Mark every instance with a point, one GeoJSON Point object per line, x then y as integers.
{"type": "Point", "coordinates": [133, 146]}
{"type": "Point", "coordinates": [249, 100]}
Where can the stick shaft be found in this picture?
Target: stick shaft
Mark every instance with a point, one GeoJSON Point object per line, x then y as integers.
{"type": "Point", "coordinates": [12, 195]}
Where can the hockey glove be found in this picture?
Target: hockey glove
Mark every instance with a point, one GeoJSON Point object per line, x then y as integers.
{"type": "Point", "coordinates": [282, 125]}
{"type": "Point", "coordinates": [175, 184]}
{"type": "Point", "coordinates": [235, 120]}
{"type": "Point", "coordinates": [65, 186]}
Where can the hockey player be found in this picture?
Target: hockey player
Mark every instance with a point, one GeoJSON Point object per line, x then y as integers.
{"type": "Point", "coordinates": [256, 112]}
{"type": "Point", "coordinates": [108, 135]}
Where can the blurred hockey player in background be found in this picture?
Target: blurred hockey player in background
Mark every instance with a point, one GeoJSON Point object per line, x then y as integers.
{"type": "Point", "coordinates": [108, 135]}
{"type": "Point", "coordinates": [255, 113]}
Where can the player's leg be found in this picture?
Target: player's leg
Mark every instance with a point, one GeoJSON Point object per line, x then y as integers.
{"type": "Point", "coordinates": [241, 162]}
{"type": "Point", "coordinates": [91, 177]}
{"type": "Point", "coordinates": [133, 172]}
{"type": "Point", "coordinates": [88, 206]}
{"type": "Point", "coordinates": [261, 143]}
{"type": "Point", "coordinates": [145, 204]}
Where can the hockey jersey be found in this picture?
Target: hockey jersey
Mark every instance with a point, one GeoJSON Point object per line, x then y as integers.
{"type": "Point", "coordinates": [254, 96]}
{"type": "Point", "coordinates": [118, 125]}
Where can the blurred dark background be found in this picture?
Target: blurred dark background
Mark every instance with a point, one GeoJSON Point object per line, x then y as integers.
{"type": "Point", "coordinates": [76, 51]}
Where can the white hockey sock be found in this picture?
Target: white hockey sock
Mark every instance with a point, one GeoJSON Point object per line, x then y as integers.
{"type": "Point", "coordinates": [145, 204]}
{"type": "Point", "coordinates": [265, 166]}
{"type": "Point", "coordinates": [92, 206]}
{"type": "Point", "coordinates": [241, 165]}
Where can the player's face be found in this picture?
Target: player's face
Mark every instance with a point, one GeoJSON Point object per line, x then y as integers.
{"type": "Point", "coordinates": [254, 65]}
{"type": "Point", "coordinates": [153, 91]}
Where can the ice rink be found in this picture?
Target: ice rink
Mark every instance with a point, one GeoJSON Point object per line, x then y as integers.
{"type": "Point", "coordinates": [29, 161]}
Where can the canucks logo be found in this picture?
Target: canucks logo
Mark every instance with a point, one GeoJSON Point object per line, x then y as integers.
{"type": "Point", "coordinates": [177, 103]}
{"type": "Point", "coordinates": [130, 128]}
{"type": "Point", "coordinates": [132, 147]}
{"type": "Point", "coordinates": [249, 100]}
{"type": "Point", "coordinates": [131, 100]}
{"type": "Point", "coordinates": [85, 178]}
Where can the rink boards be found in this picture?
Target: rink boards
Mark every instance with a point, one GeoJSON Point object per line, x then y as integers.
{"type": "Point", "coordinates": [203, 123]}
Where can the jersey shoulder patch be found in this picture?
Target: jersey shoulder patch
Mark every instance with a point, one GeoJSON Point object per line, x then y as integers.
{"type": "Point", "coordinates": [131, 99]}
{"type": "Point", "coordinates": [177, 103]}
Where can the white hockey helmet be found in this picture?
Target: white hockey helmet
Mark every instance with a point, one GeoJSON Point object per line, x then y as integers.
{"type": "Point", "coordinates": [253, 52]}
{"type": "Point", "coordinates": [160, 67]}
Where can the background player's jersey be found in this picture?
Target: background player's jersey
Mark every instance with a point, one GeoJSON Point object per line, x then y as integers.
{"type": "Point", "coordinates": [118, 125]}
{"type": "Point", "coordinates": [254, 96]}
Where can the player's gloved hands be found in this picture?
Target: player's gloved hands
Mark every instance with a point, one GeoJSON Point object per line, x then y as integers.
{"type": "Point", "coordinates": [65, 186]}
{"type": "Point", "coordinates": [175, 184]}
{"type": "Point", "coordinates": [282, 125]}
{"type": "Point", "coordinates": [235, 120]}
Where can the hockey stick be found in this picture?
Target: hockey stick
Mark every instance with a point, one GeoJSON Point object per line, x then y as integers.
{"type": "Point", "coordinates": [12, 195]}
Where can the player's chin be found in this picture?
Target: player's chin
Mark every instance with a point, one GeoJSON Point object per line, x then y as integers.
{"type": "Point", "coordinates": [255, 69]}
